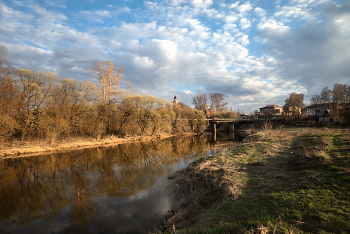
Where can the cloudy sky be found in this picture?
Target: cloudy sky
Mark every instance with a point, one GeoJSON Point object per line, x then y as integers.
{"type": "Point", "coordinates": [254, 52]}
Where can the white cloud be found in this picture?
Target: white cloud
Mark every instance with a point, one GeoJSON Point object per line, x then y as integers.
{"type": "Point", "coordinates": [28, 56]}
{"type": "Point", "coordinates": [259, 11]}
{"type": "Point", "coordinates": [244, 40]}
{"type": "Point", "coordinates": [233, 5]}
{"type": "Point", "coordinates": [177, 2]}
{"type": "Point", "coordinates": [314, 52]}
{"type": "Point", "coordinates": [270, 29]}
{"type": "Point", "coordinates": [244, 23]}
{"type": "Point", "coordinates": [201, 3]}
{"type": "Point", "coordinates": [124, 9]}
{"type": "Point", "coordinates": [187, 92]}
{"type": "Point", "coordinates": [245, 7]}
{"type": "Point", "coordinates": [213, 13]}
{"type": "Point", "coordinates": [231, 19]}
{"type": "Point", "coordinates": [56, 3]}
{"type": "Point", "coordinates": [143, 62]}
{"type": "Point", "coordinates": [167, 48]}
{"type": "Point", "coordinates": [193, 44]}
{"type": "Point", "coordinates": [94, 15]}
{"type": "Point", "coordinates": [293, 12]}
{"type": "Point", "coordinates": [25, 3]}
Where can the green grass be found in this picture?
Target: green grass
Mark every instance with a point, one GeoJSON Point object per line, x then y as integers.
{"type": "Point", "coordinates": [302, 185]}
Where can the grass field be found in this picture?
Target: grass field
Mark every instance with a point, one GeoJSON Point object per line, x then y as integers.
{"type": "Point", "coordinates": [279, 181]}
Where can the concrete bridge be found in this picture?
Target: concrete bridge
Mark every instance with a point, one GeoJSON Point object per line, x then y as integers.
{"type": "Point", "coordinates": [231, 122]}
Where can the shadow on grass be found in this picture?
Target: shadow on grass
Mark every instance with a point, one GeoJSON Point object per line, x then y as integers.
{"type": "Point", "coordinates": [303, 188]}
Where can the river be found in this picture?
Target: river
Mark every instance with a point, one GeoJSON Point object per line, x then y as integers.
{"type": "Point", "coordinates": [116, 189]}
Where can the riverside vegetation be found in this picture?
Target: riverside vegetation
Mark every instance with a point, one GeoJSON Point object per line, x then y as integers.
{"type": "Point", "coordinates": [279, 181]}
{"type": "Point", "coordinates": [39, 110]}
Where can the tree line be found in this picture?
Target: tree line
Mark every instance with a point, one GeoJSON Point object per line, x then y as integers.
{"type": "Point", "coordinates": [37, 105]}
{"type": "Point", "coordinates": [217, 105]}
{"type": "Point", "coordinates": [336, 99]}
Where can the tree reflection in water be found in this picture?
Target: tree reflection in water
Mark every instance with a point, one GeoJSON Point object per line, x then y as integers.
{"type": "Point", "coordinates": [70, 185]}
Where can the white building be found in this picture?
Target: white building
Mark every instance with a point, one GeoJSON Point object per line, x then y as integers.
{"type": "Point", "coordinates": [316, 109]}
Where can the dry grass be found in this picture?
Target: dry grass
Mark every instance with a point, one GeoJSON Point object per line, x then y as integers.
{"type": "Point", "coordinates": [221, 194]}
{"type": "Point", "coordinates": [197, 186]}
{"type": "Point", "coordinates": [18, 148]}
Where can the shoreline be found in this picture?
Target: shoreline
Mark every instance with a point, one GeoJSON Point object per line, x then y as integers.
{"type": "Point", "coordinates": [42, 147]}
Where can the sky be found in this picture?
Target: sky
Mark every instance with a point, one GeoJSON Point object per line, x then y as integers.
{"type": "Point", "coordinates": [255, 53]}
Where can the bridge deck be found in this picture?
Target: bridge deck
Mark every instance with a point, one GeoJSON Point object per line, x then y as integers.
{"type": "Point", "coordinates": [229, 120]}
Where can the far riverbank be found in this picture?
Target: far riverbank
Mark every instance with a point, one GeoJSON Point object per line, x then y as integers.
{"type": "Point", "coordinates": [17, 148]}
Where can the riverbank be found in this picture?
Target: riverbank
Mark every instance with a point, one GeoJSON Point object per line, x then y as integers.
{"type": "Point", "coordinates": [278, 181]}
{"type": "Point", "coordinates": [28, 148]}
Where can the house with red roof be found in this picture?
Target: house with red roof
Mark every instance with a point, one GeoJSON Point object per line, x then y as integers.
{"type": "Point", "coordinates": [271, 110]}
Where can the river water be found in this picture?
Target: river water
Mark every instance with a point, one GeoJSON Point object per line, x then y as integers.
{"type": "Point", "coordinates": [116, 189]}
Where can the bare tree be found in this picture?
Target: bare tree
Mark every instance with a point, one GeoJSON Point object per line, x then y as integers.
{"type": "Point", "coordinates": [339, 93]}
{"type": "Point", "coordinates": [200, 102]}
{"type": "Point", "coordinates": [35, 90]}
{"type": "Point", "coordinates": [316, 99]}
{"type": "Point", "coordinates": [339, 97]}
{"type": "Point", "coordinates": [109, 77]}
{"type": "Point", "coordinates": [130, 89]}
{"type": "Point", "coordinates": [218, 102]}
{"type": "Point", "coordinates": [326, 95]}
{"type": "Point", "coordinates": [294, 105]}
{"type": "Point", "coordinates": [5, 66]}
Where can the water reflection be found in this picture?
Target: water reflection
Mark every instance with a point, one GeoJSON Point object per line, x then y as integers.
{"type": "Point", "coordinates": [103, 190]}
{"type": "Point", "coordinates": [228, 136]}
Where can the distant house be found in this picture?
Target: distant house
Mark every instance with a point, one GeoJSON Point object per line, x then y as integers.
{"type": "Point", "coordinates": [317, 109]}
{"type": "Point", "coordinates": [271, 110]}
{"type": "Point", "coordinates": [324, 117]}
{"type": "Point", "coordinates": [209, 113]}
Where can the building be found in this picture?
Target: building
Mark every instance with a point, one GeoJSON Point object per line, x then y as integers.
{"type": "Point", "coordinates": [324, 117]}
{"type": "Point", "coordinates": [271, 110]}
{"type": "Point", "coordinates": [175, 102]}
{"type": "Point", "coordinates": [316, 109]}
{"type": "Point", "coordinates": [329, 112]}
{"type": "Point", "coordinates": [209, 113]}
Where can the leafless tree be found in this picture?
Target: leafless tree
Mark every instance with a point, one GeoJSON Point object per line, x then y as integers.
{"type": "Point", "coordinates": [326, 95]}
{"type": "Point", "coordinates": [218, 102]}
{"type": "Point", "coordinates": [316, 99]}
{"type": "Point", "coordinates": [109, 77]}
{"type": "Point", "coordinates": [339, 97]}
{"type": "Point", "coordinates": [200, 102]}
{"type": "Point", "coordinates": [294, 105]}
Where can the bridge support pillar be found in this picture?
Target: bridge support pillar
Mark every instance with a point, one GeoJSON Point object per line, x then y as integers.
{"type": "Point", "coordinates": [213, 137]}
{"type": "Point", "coordinates": [231, 127]}
{"type": "Point", "coordinates": [232, 135]}
{"type": "Point", "coordinates": [213, 128]}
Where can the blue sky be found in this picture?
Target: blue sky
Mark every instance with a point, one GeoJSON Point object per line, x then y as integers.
{"type": "Point", "coordinates": [254, 52]}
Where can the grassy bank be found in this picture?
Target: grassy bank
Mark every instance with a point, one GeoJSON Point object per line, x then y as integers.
{"type": "Point", "coordinates": [279, 181]}
{"type": "Point", "coordinates": [17, 148]}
